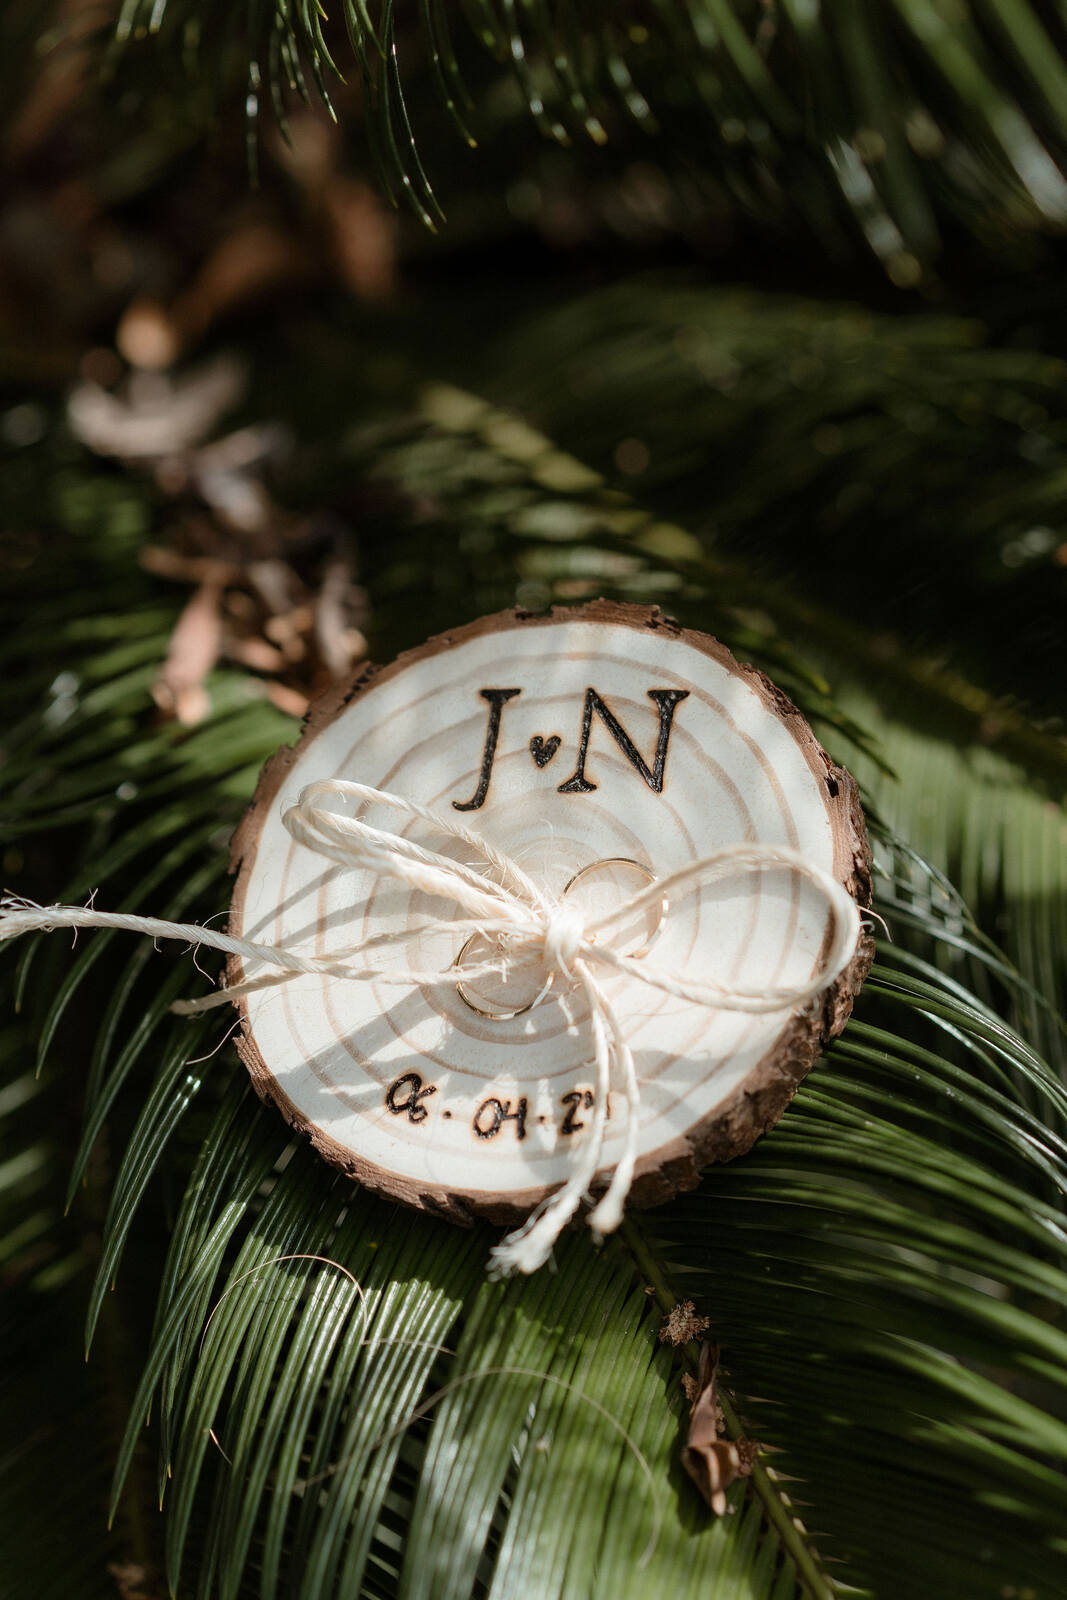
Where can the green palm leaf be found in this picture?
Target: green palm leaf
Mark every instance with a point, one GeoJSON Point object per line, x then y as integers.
{"type": "Point", "coordinates": [906, 113]}
{"type": "Point", "coordinates": [342, 1404]}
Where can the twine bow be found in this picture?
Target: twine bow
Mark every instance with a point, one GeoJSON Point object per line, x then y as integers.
{"type": "Point", "coordinates": [499, 901]}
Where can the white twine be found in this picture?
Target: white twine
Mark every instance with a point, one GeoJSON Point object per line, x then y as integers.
{"type": "Point", "coordinates": [499, 901]}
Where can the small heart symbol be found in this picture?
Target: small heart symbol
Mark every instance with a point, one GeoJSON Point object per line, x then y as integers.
{"type": "Point", "coordinates": [543, 750]}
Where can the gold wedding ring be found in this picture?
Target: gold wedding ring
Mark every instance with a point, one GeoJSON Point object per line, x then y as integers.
{"type": "Point", "coordinates": [583, 872]}
{"type": "Point", "coordinates": [497, 1016]}
{"type": "Point", "coordinates": [650, 878]}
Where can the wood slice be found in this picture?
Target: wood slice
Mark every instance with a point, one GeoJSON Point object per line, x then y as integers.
{"type": "Point", "coordinates": [599, 747]}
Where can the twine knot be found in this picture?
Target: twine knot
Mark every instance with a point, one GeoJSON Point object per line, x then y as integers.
{"type": "Point", "coordinates": [564, 939]}
{"type": "Point", "coordinates": [497, 899]}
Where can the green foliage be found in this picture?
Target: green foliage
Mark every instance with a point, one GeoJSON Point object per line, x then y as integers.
{"type": "Point", "coordinates": [905, 115]}
{"type": "Point", "coordinates": [980, 819]}
{"type": "Point", "coordinates": [804, 437]}
{"type": "Point", "coordinates": [340, 1402]}
{"type": "Point", "coordinates": [323, 1391]}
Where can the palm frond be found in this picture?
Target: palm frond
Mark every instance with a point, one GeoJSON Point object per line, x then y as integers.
{"type": "Point", "coordinates": [898, 1194]}
{"type": "Point", "coordinates": [825, 455]}
{"type": "Point", "coordinates": [55, 1410]}
{"type": "Point", "coordinates": [902, 115]}
{"type": "Point", "coordinates": [979, 818]}
{"type": "Point", "coordinates": [341, 1402]}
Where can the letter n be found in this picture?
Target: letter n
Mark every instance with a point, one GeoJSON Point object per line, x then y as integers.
{"type": "Point", "coordinates": [666, 700]}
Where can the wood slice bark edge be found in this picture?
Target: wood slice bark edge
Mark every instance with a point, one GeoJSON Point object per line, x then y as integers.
{"type": "Point", "coordinates": [761, 1098]}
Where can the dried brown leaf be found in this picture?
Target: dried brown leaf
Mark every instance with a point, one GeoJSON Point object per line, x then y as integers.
{"type": "Point", "coordinates": [713, 1462]}
{"type": "Point", "coordinates": [194, 649]}
{"type": "Point", "coordinates": [682, 1324]}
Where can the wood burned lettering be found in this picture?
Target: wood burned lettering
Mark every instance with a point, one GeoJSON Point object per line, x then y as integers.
{"type": "Point", "coordinates": [576, 1100]}
{"type": "Point", "coordinates": [543, 749]}
{"type": "Point", "coordinates": [406, 1095]}
{"type": "Point", "coordinates": [492, 1115]}
{"type": "Point", "coordinates": [666, 700]}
